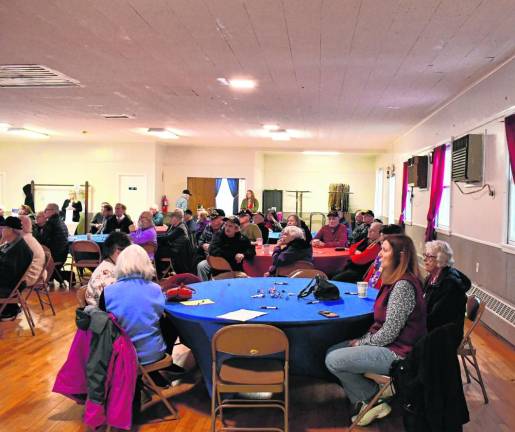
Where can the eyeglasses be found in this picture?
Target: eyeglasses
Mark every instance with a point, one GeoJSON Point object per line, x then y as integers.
{"type": "Point", "coordinates": [427, 257]}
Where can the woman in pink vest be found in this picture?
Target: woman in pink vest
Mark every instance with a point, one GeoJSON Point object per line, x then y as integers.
{"type": "Point", "coordinates": [399, 321]}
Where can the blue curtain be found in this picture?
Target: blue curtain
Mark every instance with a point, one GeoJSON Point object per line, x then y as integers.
{"type": "Point", "coordinates": [218, 184]}
{"type": "Point", "coordinates": [233, 187]}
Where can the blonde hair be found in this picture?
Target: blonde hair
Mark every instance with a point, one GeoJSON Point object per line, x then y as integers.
{"type": "Point", "coordinates": [443, 251]}
{"type": "Point", "coordinates": [134, 260]}
{"type": "Point", "coordinates": [202, 215]}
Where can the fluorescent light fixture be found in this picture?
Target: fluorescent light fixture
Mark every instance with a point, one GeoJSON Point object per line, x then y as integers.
{"type": "Point", "coordinates": [238, 83]}
{"type": "Point", "coordinates": [271, 127]}
{"type": "Point", "coordinates": [320, 153]}
{"type": "Point", "coordinates": [162, 133]}
{"type": "Point", "coordinates": [27, 133]}
{"type": "Point", "coordinates": [4, 127]}
{"type": "Point", "coordinates": [280, 135]}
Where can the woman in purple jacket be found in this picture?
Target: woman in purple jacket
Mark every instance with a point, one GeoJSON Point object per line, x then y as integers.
{"type": "Point", "coordinates": [146, 232]}
{"type": "Point", "coordinates": [399, 321]}
{"type": "Point", "coordinates": [291, 247]}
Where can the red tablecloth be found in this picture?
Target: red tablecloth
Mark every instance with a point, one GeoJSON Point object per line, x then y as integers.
{"type": "Point", "coordinates": [161, 229]}
{"type": "Point", "coordinates": [326, 259]}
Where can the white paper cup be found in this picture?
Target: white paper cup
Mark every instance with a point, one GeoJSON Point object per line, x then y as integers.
{"type": "Point", "coordinates": [362, 289]}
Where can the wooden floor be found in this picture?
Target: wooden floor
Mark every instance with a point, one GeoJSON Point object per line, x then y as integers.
{"type": "Point", "coordinates": [29, 364]}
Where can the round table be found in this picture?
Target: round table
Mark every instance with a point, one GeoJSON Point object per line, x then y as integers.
{"type": "Point", "coordinates": [328, 260]}
{"type": "Point", "coordinates": [310, 334]}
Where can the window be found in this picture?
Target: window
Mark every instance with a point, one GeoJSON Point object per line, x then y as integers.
{"type": "Point", "coordinates": [378, 202]}
{"type": "Point", "coordinates": [443, 218]}
{"type": "Point", "coordinates": [391, 199]}
{"type": "Point", "coordinates": [511, 212]}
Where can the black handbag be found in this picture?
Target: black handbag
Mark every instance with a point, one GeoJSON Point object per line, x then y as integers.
{"type": "Point", "coordinates": [321, 289]}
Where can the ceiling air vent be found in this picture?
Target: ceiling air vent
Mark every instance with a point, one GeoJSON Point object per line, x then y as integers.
{"type": "Point", "coordinates": [117, 116]}
{"type": "Point", "coordinates": [27, 76]}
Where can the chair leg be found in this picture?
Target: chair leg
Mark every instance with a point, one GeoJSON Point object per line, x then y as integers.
{"type": "Point", "coordinates": [39, 298]}
{"type": "Point", "coordinates": [479, 377]}
{"type": "Point", "coordinates": [49, 300]}
{"type": "Point", "coordinates": [213, 409]}
{"type": "Point", "coordinates": [465, 368]}
{"type": "Point", "coordinates": [158, 391]}
{"type": "Point", "coordinates": [27, 313]}
{"type": "Point", "coordinates": [369, 405]}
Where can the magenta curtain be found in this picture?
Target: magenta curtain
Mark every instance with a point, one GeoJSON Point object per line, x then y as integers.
{"type": "Point", "coordinates": [436, 190]}
{"type": "Point", "coordinates": [509, 124]}
{"type": "Point", "coordinates": [404, 192]}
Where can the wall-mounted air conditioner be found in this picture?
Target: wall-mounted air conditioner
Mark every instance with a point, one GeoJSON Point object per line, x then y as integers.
{"type": "Point", "coordinates": [467, 159]}
{"type": "Point", "coordinates": [417, 171]}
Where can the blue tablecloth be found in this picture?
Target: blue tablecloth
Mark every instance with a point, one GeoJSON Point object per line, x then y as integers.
{"type": "Point", "coordinates": [309, 333]}
{"type": "Point", "coordinates": [97, 238]}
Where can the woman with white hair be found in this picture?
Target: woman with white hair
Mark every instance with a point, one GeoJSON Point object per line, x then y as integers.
{"type": "Point", "coordinates": [444, 287]}
{"type": "Point", "coordinates": [137, 303]}
{"type": "Point", "coordinates": [291, 247]}
{"type": "Point", "coordinates": [145, 233]}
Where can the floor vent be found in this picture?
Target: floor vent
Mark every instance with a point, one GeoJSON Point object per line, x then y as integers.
{"type": "Point", "coordinates": [494, 304]}
{"type": "Point", "coordinates": [28, 76]}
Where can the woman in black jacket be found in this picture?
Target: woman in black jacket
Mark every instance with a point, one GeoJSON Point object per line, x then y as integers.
{"type": "Point", "coordinates": [295, 220]}
{"type": "Point", "coordinates": [444, 288]}
{"type": "Point", "coordinates": [290, 248]}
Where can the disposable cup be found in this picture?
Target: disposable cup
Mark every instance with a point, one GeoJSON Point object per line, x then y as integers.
{"type": "Point", "coordinates": [362, 289]}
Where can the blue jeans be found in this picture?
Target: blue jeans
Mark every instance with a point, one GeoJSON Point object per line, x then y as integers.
{"type": "Point", "coordinates": [203, 270]}
{"type": "Point", "coordinates": [350, 363]}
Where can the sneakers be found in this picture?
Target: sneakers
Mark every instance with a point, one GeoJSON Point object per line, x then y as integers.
{"type": "Point", "coordinates": [380, 410]}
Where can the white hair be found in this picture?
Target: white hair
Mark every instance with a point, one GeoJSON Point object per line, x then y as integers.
{"type": "Point", "coordinates": [295, 232]}
{"type": "Point", "coordinates": [134, 260]}
{"type": "Point", "coordinates": [443, 252]}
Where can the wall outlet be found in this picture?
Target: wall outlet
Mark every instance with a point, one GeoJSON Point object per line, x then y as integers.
{"type": "Point", "coordinates": [477, 267]}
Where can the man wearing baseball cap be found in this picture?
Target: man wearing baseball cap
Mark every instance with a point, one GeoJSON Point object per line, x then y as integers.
{"type": "Point", "coordinates": [216, 218]}
{"type": "Point", "coordinates": [182, 201]}
{"type": "Point", "coordinates": [230, 244]}
{"type": "Point", "coordinates": [15, 259]}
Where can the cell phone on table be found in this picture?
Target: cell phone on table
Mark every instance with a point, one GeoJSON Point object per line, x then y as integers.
{"type": "Point", "coordinates": [328, 314]}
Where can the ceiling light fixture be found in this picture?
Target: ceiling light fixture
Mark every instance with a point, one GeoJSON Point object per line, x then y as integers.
{"type": "Point", "coordinates": [162, 133]}
{"type": "Point", "coordinates": [280, 135]}
{"type": "Point", "coordinates": [271, 127]}
{"type": "Point", "coordinates": [238, 83]}
{"type": "Point", "coordinates": [320, 153]}
{"type": "Point", "coordinates": [27, 133]}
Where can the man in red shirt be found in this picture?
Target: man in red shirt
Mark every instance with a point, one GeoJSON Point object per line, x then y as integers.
{"type": "Point", "coordinates": [361, 255]}
{"type": "Point", "coordinates": [331, 235]}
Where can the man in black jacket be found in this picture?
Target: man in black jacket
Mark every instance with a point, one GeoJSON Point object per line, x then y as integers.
{"type": "Point", "coordinates": [119, 221]}
{"type": "Point", "coordinates": [230, 244]}
{"type": "Point", "coordinates": [15, 258]}
{"type": "Point", "coordinates": [54, 234]}
{"type": "Point", "coordinates": [175, 244]}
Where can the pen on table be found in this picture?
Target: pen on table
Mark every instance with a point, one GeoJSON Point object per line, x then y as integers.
{"type": "Point", "coordinates": [313, 302]}
{"type": "Point", "coordinates": [269, 307]}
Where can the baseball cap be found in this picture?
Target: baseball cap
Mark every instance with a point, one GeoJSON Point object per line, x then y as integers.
{"type": "Point", "coordinates": [233, 219]}
{"type": "Point", "coordinates": [186, 192]}
{"type": "Point", "coordinates": [216, 213]}
{"type": "Point", "coordinates": [332, 213]}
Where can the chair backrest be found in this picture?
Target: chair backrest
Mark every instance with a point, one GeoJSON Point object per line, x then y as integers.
{"type": "Point", "coordinates": [81, 246]}
{"type": "Point", "coordinates": [178, 279]}
{"type": "Point", "coordinates": [150, 248]}
{"type": "Point", "coordinates": [254, 340]}
{"type": "Point", "coordinates": [230, 275]}
{"type": "Point", "coordinates": [81, 296]}
{"type": "Point", "coordinates": [307, 273]}
{"type": "Point", "coordinates": [218, 263]}
{"type": "Point", "coordinates": [475, 309]}
{"type": "Point", "coordinates": [286, 270]}
{"type": "Point", "coordinates": [50, 265]}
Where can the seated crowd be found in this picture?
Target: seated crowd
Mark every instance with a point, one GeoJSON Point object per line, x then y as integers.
{"type": "Point", "coordinates": [406, 307]}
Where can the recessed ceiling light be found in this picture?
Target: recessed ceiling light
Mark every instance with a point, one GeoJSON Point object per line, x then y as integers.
{"type": "Point", "coordinates": [162, 133]}
{"type": "Point", "coordinates": [4, 127]}
{"type": "Point", "coordinates": [27, 133]}
{"type": "Point", "coordinates": [280, 135]}
{"type": "Point", "coordinates": [393, 107]}
{"type": "Point", "coordinates": [238, 83]}
{"type": "Point", "coordinates": [271, 126]}
{"type": "Point", "coordinates": [320, 153]}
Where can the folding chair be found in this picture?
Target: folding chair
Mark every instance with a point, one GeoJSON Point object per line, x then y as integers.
{"type": "Point", "coordinates": [384, 382]}
{"type": "Point", "coordinates": [17, 298]}
{"type": "Point", "coordinates": [158, 393]}
{"type": "Point", "coordinates": [81, 296]}
{"type": "Point", "coordinates": [286, 270]}
{"type": "Point", "coordinates": [251, 369]}
{"type": "Point", "coordinates": [223, 268]}
{"type": "Point", "coordinates": [307, 273]}
{"type": "Point", "coordinates": [83, 247]}
{"type": "Point", "coordinates": [41, 285]}
{"type": "Point", "coordinates": [466, 350]}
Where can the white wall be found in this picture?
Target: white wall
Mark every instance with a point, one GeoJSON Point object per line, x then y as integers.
{"type": "Point", "coordinates": [296, 171]}
{"type": "Point", "coordinates": [183, 162]}
{"type": "Point", "coordinates": [54, 162]}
